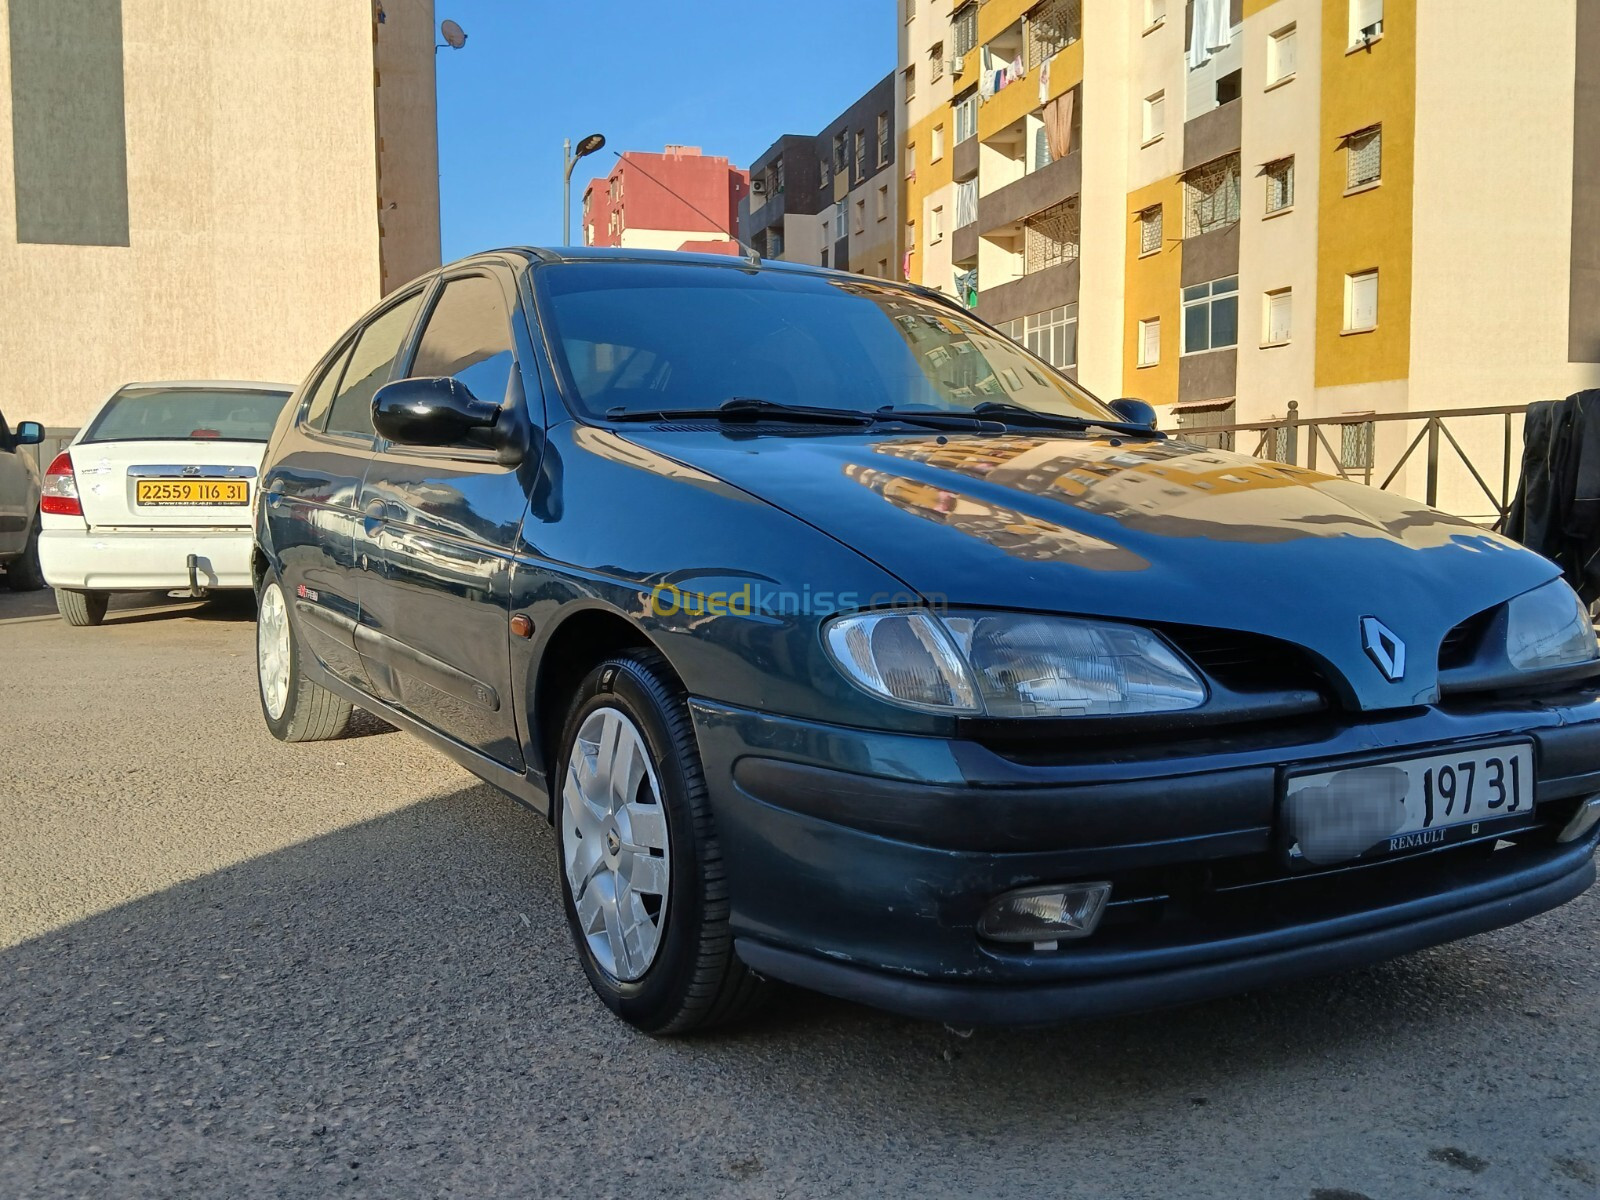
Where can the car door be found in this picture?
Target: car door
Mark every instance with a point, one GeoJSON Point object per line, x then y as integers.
{"type": "Point", "coordinates": [435, 616]}
{"type": "Point", "coordinates": [16, 496]}
{"type": "Point", "coordinates": [312, 495]}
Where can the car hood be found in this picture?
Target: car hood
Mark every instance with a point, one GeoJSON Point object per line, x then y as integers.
{"type": "Point", "coordinates": [1157, 531]}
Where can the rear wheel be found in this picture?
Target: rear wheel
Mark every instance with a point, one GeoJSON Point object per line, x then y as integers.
{"type": "Point", "coordinates": [82, 608]}
{"type": "Point", "coordinates": [644, 888]}
{"type": "Point", "coordinates": [25, 575]}
{"type": "Point", "coordinates": [296, 708]}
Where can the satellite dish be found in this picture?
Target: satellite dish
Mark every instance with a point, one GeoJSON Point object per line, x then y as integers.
{"type": "Point", "coordinates": [454, 36]}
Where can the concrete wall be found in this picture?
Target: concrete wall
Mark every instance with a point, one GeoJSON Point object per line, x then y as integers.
{"type": "Point", "coordinates": [252, 197]}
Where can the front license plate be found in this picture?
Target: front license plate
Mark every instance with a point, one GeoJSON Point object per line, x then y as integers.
{"type": "Point", "coordinates": [1405, 804]}
{"type": "Point", "coordinates": [191, 491]}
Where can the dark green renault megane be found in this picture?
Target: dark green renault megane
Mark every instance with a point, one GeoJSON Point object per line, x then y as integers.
{"type": "Point", "coordinates": [849, 645]}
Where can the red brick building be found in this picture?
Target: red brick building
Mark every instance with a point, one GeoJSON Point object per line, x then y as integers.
{"type": "Point", "coordinates": [678, 199]}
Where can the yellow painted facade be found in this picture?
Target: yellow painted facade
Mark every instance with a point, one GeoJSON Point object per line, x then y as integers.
{"type": "Point", "coordinates": [1153, 286]}
{"type": "Point", "coordinates": [928, 179]}
{"type": "Point", "coordinates": [1369, 229]}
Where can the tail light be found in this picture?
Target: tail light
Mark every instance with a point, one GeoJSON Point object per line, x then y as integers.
{"type": "Point", "coordinates": [59, 495]}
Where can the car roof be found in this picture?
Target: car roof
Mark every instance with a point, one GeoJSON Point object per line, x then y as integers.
{"type": "Point", "coordinates": [625, 254]}
{"type": "Point", "coordinates": [230, 385]}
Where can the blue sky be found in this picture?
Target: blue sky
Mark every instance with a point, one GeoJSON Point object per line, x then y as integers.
{"type": "Point", "coordinates": [729, 77]}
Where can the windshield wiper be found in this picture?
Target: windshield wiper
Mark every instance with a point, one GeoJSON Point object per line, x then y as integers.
{"type": "Point", "coordinates": [746, 408]}
{"type": "Point", "coordinates": [1018, 415]}
{"type": "Point", "coordinates": [935, 420]}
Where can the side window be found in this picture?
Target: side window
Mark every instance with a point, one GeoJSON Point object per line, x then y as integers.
{"type": "Point", "coordinates": [321, 401]}
{"type": "Point", "coordinates": [468, 337]}
{"type": "Point", "coordinates": [376, 348]}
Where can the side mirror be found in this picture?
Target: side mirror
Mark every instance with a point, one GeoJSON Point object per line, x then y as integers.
{"type": "Point", "coordinates": [1135, 412]}
{"type": "Point", "coordinates": [29, 433]}
{"type": "Point", "coordinates": [431, 412]}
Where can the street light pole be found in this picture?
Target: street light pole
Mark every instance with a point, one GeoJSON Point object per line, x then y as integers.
{"type": "Point", "coordinates": [569, 160]}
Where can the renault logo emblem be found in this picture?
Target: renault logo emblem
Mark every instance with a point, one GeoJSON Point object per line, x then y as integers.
{"type": "Point", "coordinates": [1383, 648]}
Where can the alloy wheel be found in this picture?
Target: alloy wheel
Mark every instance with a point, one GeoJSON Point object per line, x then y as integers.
{"type": "Point", "coordinates": [615, 844]}
{"type": "Point", "coordinates": [272, 650]}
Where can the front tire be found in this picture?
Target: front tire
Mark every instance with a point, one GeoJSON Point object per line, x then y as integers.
{"type": "Point", "coordinates": [295, 708]}
{"type": "Point", "coordinates": [644, 889]}
{"type": "Point", "coordinates": [26, 575]}
{"type": "Point", "coordinates": [82, 608]}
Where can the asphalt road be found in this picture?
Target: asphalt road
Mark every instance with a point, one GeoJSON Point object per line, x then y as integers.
{"type": "Point", "coordinates": [234, 968]}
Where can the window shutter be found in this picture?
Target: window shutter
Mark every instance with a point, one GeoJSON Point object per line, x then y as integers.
{"type": "Point", "coordinates": [1280, 317]}
{"type": "Point", "coordinates": [1363, 14]}
{"type": "Point", "coordinates": [1285, 49]}
{"type": "Point", "coordinates": [1364, 301]}
{"type": "Point", "coordinates": [1150, 352]}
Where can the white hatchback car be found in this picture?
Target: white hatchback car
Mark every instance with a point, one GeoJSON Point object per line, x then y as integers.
{"type": "Point", "coordinates": [155, 492]}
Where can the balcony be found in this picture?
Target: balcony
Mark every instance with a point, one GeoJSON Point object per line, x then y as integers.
{"type": "Point", "coordinates": [1032, 193]}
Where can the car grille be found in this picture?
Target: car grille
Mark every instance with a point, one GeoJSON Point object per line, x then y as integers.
{"type": "Point", "coordinates": [1247, 662]}
{"type": "Point", "coordinates": [1460, 645]}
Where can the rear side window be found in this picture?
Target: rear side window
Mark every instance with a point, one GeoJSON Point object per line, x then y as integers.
{"type": "Point", "coordinates": [322, 395]}
{"type": "Point", "coordinates": [468, 337]}
{"type": "Point", "coordinates": [370, 364]}
{"type": "Point", "coordinates": [137, 414]}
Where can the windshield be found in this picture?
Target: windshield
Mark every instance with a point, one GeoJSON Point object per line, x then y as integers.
{"type": "Point", "coordinates": [138, 414]}
{"type": "Point", "coordinates": [638, 337]}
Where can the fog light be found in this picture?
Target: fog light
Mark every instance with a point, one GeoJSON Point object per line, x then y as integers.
{"type": "Point", "coordinates": [1585, 819]}
{"type": "Point", "coordinates": [1045, 914]}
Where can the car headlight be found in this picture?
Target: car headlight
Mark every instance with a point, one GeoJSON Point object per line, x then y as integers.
{"type": "Point", "coordinates": [1549, 627]}
{"type": "Point", "coordinates": [1012, 665]}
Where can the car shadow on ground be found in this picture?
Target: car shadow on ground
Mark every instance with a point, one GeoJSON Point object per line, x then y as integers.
{"type": "Point", "coordinates": [132, 608]}
{"type": "Point", "coordinates": [399, 1000]}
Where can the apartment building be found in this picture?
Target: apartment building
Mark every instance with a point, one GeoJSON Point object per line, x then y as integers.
{"type": "Point", "coordinates": [832, 199]}
{"type": "Point", "coordinates": [680, 199]}
{"type": "Point", "coordinates": [204, 190]}
{"type": "Point", "coordinates": [1222, 206]}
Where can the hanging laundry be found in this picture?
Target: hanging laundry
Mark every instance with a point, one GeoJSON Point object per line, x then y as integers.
{"type": "Point", "coordinates": [1212, 31]}
{"type": "Point", "coordinates": [1044, 82]}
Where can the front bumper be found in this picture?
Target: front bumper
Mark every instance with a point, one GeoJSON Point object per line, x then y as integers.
{"type": "Point", "coordinates": [139, 559]}
{"type": "Point", "coordinates": [858, 862]}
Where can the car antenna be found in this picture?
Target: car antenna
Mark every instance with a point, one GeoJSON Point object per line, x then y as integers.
{"type": "Point", "coordinates": [750, 255]}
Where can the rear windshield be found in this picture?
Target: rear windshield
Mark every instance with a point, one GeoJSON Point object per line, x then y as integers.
{"type": "Point", "coordinates": [184, 414]}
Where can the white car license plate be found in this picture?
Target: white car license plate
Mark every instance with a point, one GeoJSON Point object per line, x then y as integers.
{"type": "Point", "coordinates": [1405, 804]}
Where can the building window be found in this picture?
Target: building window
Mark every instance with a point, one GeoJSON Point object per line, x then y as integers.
{"type": "Point", "coordinates": [1280, 184]}
{"type": "Point", "coordinates": [1211, 196]}
{"type": "Point", "coordinates": [861, 154]}
{"type": "Point", "coordinates": [966, 117]}
{"type": "Point", "coordinates": [911, 236]}
{"type": "Point", "coordinates": [1281, 55]}
{"type": "Point", "coordinates": [936, 149]}
{"type": "Point", "coordinates": [883, 268]}
{"type": "Point", "coordinates": [884, 155]}
{"type": "Point", "coordinates": [861, 215]}
{"type": "Point", "coordinates": [838, 224]}
{"type": "Point", "coordinates": [965, 24]}
{"type": "Point", "coordinates": [839, 160]}
{"type": "Point", "coordinates": [1155, 117]}
{"type": "Point", "coordinates": [1194, 419]}
{"type": "Point", "coordinates": [824, 256]}
{"type": "Point", "coordinates": [936, 62]}
{"type": "Point", "coordinates": [966, 202]}
{"type": "Point", "coordinates": [1211, 315]}
{"type": "Point", "coordinates": [1357, 444]}
{"type": "Point", "coordinates": [1150, 232]}
{"type": "Point", "coordinates": [911, 159]}
{"type": "Point", "coordinates": [1150, 342]}
{"type": "Point", "coordinates": [911, 11]}
{"type": "Point", "coordinates": [1277, 325]}
{"type": "Point", "coordinates": [1052, 27]}
{"type": "Point", "coordinates": [910, 74]}
{"type": "Point", "coordinates": [883, 203]}
{"type": "Point", "coordinates": [1036, 152]}
{"type": "Point", "coordinates": [1050, 238]}
{"type": "Point", "coordinates": [1361, 302]}
{"type": "Point", "coordinates": [1155, 12]}
{"type": "Point", "coordinates": [1366, 21]}
{"type": "Point", "coordinates": [936, 224]}
{"type": "Point", "coordinates": [1364, 157]}
{"type": "Point", "coordinates": [1230, 87]}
